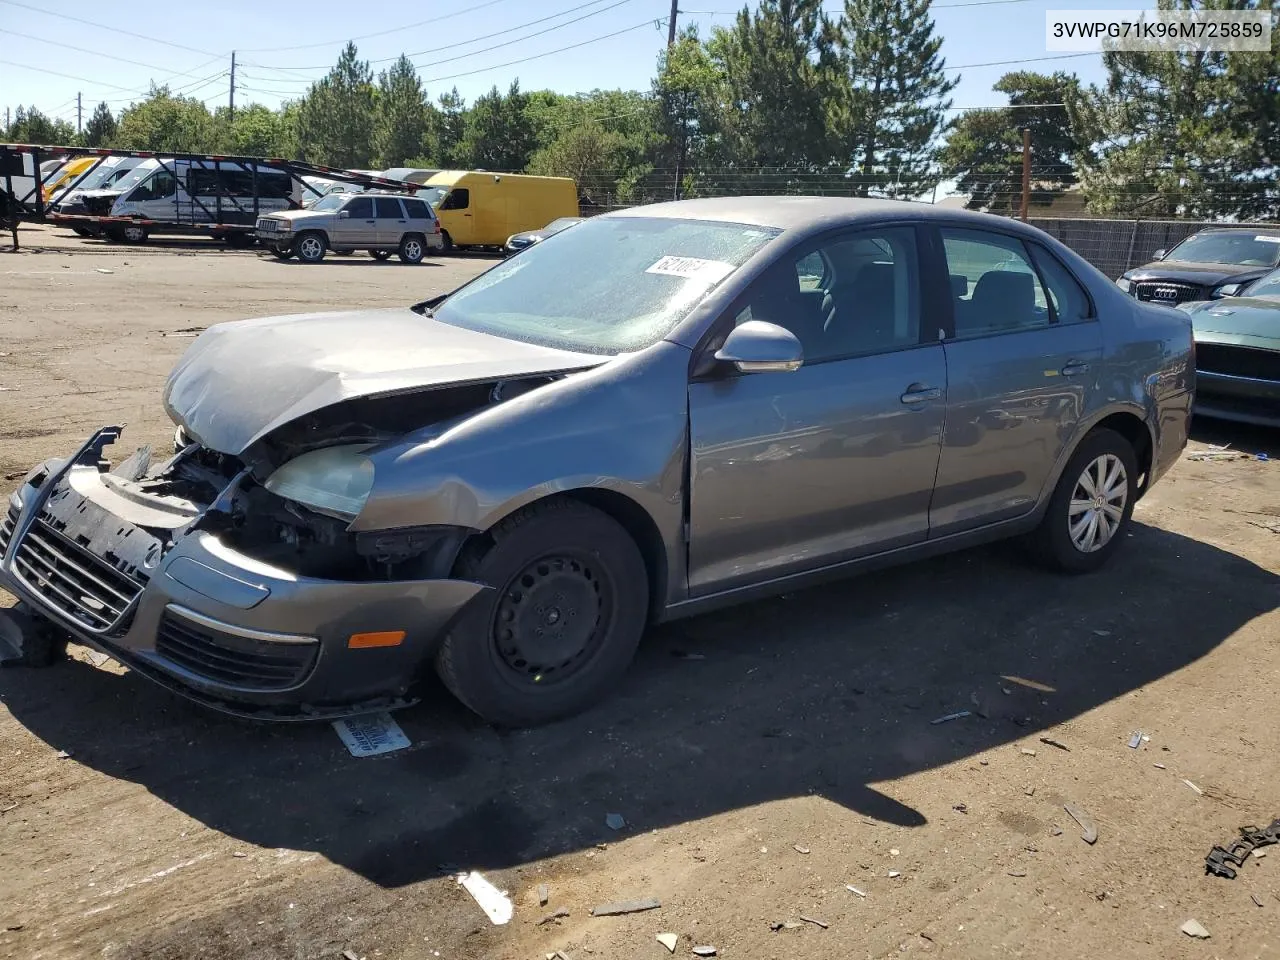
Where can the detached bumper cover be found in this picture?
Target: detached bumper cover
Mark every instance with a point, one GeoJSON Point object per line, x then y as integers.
{"type": "Point", "coordinates": [208, 621]}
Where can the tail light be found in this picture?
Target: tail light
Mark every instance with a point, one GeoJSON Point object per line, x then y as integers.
{"type": "Point", "coordinates": [435, 226]}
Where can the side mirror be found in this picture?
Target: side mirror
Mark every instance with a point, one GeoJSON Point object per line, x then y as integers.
{"type": "Point", "coordinates": [759, 347]}
{"type": "Point", "coordinates": [1159, 254]}
{"type": "Point", "coordinates": [344, 214]}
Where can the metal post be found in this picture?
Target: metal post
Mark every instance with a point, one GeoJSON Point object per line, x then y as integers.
{"type": "Point", "coordinates": [671, 23]}
{"type": "Point", "coordinates": [79, 114]}
{"type": "Point", "coordinates": [1026, 170]}
{"type": "Point", "coordinates": [1133, 239]}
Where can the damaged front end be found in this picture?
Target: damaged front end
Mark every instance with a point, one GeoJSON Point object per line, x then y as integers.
{"type": "Point", "coordinates": [198, 576]}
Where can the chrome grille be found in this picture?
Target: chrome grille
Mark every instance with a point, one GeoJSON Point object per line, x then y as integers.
{"type": "Point", "coordinates": [6, 529]}
{"type": "Point", "coordinates": [268, 224]}
{"type": "Point", "coordinates": [234, 661]}
{"type": "Point", "coordinates": [73, 580]}
{"type": "Point", "coordinates": [1160, 291]}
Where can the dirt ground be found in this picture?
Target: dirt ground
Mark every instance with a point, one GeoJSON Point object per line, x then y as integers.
{"type": "Point", "coordinates": [795, 760]}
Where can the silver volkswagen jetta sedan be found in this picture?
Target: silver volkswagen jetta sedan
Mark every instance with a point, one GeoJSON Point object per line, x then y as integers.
{"type": "Point", "coordinates": [659, 411]}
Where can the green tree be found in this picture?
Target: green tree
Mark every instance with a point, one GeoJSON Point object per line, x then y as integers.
{"type": "Point", "coordinates": [778, 67]}
{"type": "Point", "coordinates": [403, 120]}
{"type": "Point", "coordinates": [894, 101]}
{"type": "Point", "coordinates": [984, 147]}
{"type": "Point", "coordinates": [336, 117]}
{"type": "Point", "coordinates": [255, 131]}
{"type": "Point", "coordinates": [1193, 133]}
{"type": "Point", "coordinates": [32, 126]}
{"type": "Point", "coordinates": [166, 122]}
{"type": "Point", "coordinates": [499, 132]}
{"type": "Point", "coordinates": [101, 128]}
{"type": "Point", "coordinates": [689, 92]}
{"type": "Point", "coordinates": [445, 140]}
{"type": "Point", "coordinates": [586, 153]}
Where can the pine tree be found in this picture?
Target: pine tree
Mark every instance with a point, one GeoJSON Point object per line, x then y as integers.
{"type": "Point", "coordinates": [450, 126]}
{"type": "Point", "coordinates": [499, 132]}
{"type": "Point", "coordinates": [336, 117]}
{"type": "Point", "coordinates": [689, 92]}
{"type": "Point", "coordinates": [403, 118]}
{"type": "Point", "coordinates": [101, 128]}
{"type": "Point", "coordinates": [895, 101]}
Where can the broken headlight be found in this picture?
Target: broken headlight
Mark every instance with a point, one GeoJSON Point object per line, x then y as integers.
{"type": "Point", "coordinates": [335, 480]}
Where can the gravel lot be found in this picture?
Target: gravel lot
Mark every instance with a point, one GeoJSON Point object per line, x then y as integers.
{"type": "Point", "coordinates": [797, 758]}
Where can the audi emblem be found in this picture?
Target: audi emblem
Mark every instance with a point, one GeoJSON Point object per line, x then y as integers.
{"type": "Point", "coordinates": [1164, 293]}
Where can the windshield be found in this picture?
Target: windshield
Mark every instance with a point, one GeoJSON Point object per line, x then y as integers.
{"type": "Point", "coordinates": [102, 176]}
{"type": "Point", "coordinates": [1268, 286]}
{"type": "Point", "coordinates": [330, 201]}
{"type": "Point", "coordinates": [433, 195]}
{"type": "Point", "coordinates": [135, 177]}
{"type": "Point", "coordinates": [1241, 248]}
{"type": "Point", "coordinates": [611, 286]}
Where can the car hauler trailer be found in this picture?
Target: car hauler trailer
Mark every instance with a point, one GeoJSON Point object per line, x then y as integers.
{"type": "Point", "coordinates": [219, 195]}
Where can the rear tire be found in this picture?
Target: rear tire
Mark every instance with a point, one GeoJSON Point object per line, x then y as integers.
{"type": "Point", "coordinates": [412, 248]}
{"type": "Point", "coordinates": [239, 241]}
{"type": "Point", "coordinates": [82, 231]}
{"type": "Point", "coordinates": [310, 247]}
{"type": "Point", "coordinates": [568, 608]}
{"type": "Point", "coordinates": [380, 254]}
{"type": "Point", "coordinates": [448, 241]}
{"type": "Point", "coordinates": [1089, 512]}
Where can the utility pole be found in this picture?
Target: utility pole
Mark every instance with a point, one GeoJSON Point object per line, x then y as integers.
{"type": "Point", "coordinates": [1026, 170]}
{"type": "Point", "coordinates": [6, 118]}
{"type": "Point", "coordinates": [231, 102]}
{"type": "Point", "coordinates": [79, 114]}
{"type": "Point", "coordinates": [671, 23]}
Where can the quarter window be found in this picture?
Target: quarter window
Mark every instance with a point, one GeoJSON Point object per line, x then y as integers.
{"type": "Point", "coordinates": [994, 287]}
{"type": "Point", "coordinates": [416, 209]}
{"type": "Point", "coordinates": [1070, 302]}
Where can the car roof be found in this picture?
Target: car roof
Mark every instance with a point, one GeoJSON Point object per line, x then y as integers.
{"type": "Point", "coordinates": [803, 214]}
{"type": "Point", "coordinates": [1268, 228]}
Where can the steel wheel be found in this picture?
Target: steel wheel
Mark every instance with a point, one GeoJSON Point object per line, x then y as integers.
{"type": "Point", "coordinates": [1098, 503]}
{"type": "Point", "coordinates": [551, 619]}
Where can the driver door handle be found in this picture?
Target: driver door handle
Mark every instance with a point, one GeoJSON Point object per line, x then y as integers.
{"type": "Point", "coordinates": [1075, 368]}
{"type": "Point", "coordinates": [919, 393]}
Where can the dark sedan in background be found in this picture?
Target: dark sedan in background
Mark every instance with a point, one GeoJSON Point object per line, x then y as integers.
{"type": "Point", "coordinates": [1219, 262]}
{"type": "Point", "coordinates": [1238, 354]}
{"type": "Point", "coordinates": [518, 241]}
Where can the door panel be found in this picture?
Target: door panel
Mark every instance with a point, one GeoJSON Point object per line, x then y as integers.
{"type": "Point", "coordinates": [1019, 379]}
{"type": "Point", "coordinates": [360, 228]}
{"type": "Point", "coordinates": [792, 471]}
{"type": "Point", "coordinates": [391, 221]}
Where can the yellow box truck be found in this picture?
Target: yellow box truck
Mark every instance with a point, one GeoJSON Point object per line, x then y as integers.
{"type": "Point", "coordinates": [480, 209]}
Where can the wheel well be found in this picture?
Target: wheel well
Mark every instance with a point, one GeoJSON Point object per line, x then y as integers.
{"type": "Point", "coordinates": [1135, 431]}
{"type": "Point", "coordinates": [632, 518]}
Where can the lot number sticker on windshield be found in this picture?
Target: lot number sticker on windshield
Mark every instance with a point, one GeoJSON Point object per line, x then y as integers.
{"type": "Point", "coordinates": [691, 268]}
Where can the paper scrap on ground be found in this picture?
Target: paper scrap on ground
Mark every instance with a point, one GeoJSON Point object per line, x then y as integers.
{"type": "Point", "coordinates": [692, 268]}
{"type": "Point", "coordinates": [371, 734]}
{"type": "Point", "coordinates": [495, 903]}
{"type": "Point", "coordinates": [668, 940]}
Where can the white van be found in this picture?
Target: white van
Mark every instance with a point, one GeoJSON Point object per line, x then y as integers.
{"type": "Point", "coordinates": [110, 171]}
{"type": "Point", "coordinates": [171, 194]}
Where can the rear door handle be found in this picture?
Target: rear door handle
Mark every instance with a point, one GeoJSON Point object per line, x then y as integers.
{"type": "Point", "coordinates": [1075, 368]}
{"type": "Point", "coordinates": [918, 393]}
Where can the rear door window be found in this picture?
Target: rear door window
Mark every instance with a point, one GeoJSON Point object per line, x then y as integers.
{"type": "Point", "coordinates": [994, 287]}
{"type": "Point", "coordinates": [387, 208]}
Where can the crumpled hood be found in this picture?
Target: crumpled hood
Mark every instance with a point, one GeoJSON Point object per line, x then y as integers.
{"type": "Point", "coordinates": [240, 381]}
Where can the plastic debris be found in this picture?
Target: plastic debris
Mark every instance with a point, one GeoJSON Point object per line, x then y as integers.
{"type": "Point", "coordinates": [1030, 791]}
{"type": "Point", "coordinates": [1160, 766]}
{"type": "Point", "coordinates": [63, 755]}
{"type": "Point", "coordinates": [1256, 899]}
{"type": "Point", "coordinates": [544, 894]}
{"type": "Point", "coordinates": [1194, 928]}
{"type": "Point", "coordinates": [668, 940]}
{"type": "Point", "coordinates": [704, 951]}
{"type": "Point", "coordinates": [1198, 791]}
{"type": "Point", "coordinates": [799, 849]}
{"type": "Point", "coordinates": [893, 874]}
{"type": "Point", "coordinates": [349, 955]}
{"type": "Point", "coordinates": [625, 906]}
{"type": "Point", "coordinates": [960, 808]}
{"type": "Point", "coordinates": [894, 852]}
{"type": "Point", "coordinates": [371, 735]}
{"type": "Point", "coordinates": [495, 903]}
{"type": "Point", "coordinates": [1135, 741]}
{"type": "Point", "coordinates": [855, 891]}
{"type": "Point", "coordinates": [1049, 741]}
{"type": "Point", "coordinates": [1088, 829]}
{"type": "Point", "coordinates": [103, 270]}
{"type": "Point", "coordinates": [239, 854]}
{"type": "Point", "coordinates": [959, 715]}
{"type": "Point", "coordinates": [815, 921]}
{"type": "Point", "coordinates": [615, 821]}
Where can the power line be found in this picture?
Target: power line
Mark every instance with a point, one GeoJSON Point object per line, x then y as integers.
{"type": "Point", "coordinates": [538, 56]}
{"type": "Point", "coordinates": [103, 26]}
{"type": "Point", "coordinates": [380, 33]}
{"type": "Point", "coordinates": [55, 73]}
{"type": "Point", "coordinates": [95, 53]}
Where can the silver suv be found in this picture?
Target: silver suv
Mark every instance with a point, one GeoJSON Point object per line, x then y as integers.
{"type": "Point", "coordinates": [383, 224]}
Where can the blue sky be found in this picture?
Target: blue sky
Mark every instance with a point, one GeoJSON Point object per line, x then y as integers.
{"type": "Point", "coordinates": [283, 45]}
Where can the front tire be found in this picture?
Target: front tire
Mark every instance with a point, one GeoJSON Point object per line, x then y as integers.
{"type": "Point", "coordinates": [281, 251]}
{"type": "Point", "coordinates": [567, 611]}
{"type": "Point", "coordinates": [1091, 506]}
{"type": "Point", "coordinates": [412, 249]}
{"type": "Point", "coordinates": [310, 247]}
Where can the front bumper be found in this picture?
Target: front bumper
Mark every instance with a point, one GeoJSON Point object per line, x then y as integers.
{"type": "Point", "coordinates": [206, 620]}
{"type": "Point", "coordinates": [1242, 399]}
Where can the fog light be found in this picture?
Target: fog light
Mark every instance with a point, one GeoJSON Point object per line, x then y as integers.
{"type": "Point", "coordinates": [384, 638]}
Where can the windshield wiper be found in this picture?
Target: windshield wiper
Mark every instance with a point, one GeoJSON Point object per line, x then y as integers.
{"type": "Point", "coordinates": [427, 307]}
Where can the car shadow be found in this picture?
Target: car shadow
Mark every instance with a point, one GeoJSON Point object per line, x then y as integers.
{"type": "Point", "coordinates": [1243, 437]}
{"type": "Point", "coordinates": [823, 691]}
{"type": "Point", "coordinates": [338, 260]}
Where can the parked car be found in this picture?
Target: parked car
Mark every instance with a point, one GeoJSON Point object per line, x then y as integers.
{"type": "Point", "coordinates": [408, 174]}
{"type": "Point", "coordinates": [316, 187]}
{"type": "Point", "coordinates": [518, 241]}
{"type": "Point", "coordinates": [381, 223]}
{"type": "Point", "coordinates": [1218, 262]}
{"type": "Point", "coordinates": [478, 209]}
{"type": "Point", "coordinates": [66, 174]}
{"type": "Point", "coordinates": [70, 199]}
{"type": "Point", "coordinates": [1238, 354]}
{"type": "Point", "coordinates": [666, 410]}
